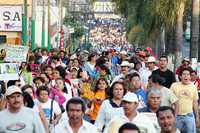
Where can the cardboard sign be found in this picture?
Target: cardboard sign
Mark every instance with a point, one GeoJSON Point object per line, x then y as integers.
{"type": "Point", "coordinates": [15, 53]}
{"type": "Point", "coordinates": [9, 71]}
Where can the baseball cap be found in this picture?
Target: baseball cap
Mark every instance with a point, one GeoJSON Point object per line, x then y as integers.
{"type": "Point", "coordinates": [125, 63]}
{"type": "Point", "coordinates": [13, 89]}
{"type": "Point", "coordinates": [186, 59]}
{"type": "Point", "coordinates": [130, 97]}
{"type": "Point", "coordinates": [151, 59]}
{"type": "Point", "coordinates": [73, 57]}
{"type": "Point", "coordinates": [123, 52]}
{"type": "Point", "coordinates": [148, 49]}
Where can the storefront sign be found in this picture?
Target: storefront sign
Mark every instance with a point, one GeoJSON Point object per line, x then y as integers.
{"type": "Point", "coordinates": [10, 18]}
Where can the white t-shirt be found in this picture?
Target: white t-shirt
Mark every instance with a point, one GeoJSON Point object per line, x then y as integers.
{"type": "Point", "coordinates": [46, 107]}
{"type": "Point", "coordinates": [24, 121]}
{"type": "Point", "coordinates": [168, 97]}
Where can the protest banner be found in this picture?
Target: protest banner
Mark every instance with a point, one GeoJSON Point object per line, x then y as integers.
{"type": "Point", "coordinates": [9, 71]}
{"type": "Point", "coordinates": [15, 53]}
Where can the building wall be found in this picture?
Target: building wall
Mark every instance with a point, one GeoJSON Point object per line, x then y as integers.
{"type": "Point", "coordinates": [14, 37]}
{"type": "Point", "coordinates": [55, 24]}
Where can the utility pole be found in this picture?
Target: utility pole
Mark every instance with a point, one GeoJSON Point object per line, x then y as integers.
{"type": "Point", "coordinates": [43, 25]}
{"type": "Point", "coordinates": [49, 26]}
{"type": "Point", "coordinates": [24, 23]}
{"type": "Point", "coordinates": [33, 24]}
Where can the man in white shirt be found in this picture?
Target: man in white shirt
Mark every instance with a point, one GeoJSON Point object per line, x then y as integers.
{"type": "Point", "coordinates": [147, 71]}
{"type": "Point", "coordinates": [75, 124]}
{"type": "Point", "coordinates": [167, 120]}
{"type": "Point", "coordinates": [130, 104]}
{"type": "Point", "coordinates": [17, 118]}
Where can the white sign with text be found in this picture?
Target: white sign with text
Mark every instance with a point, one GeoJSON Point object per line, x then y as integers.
{"type": "Point", "coordinates": [11, 18]}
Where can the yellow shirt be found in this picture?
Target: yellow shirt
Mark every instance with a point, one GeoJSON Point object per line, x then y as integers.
{"type": "Point", "coordinates": [99, 95]}
{"type": "Point", "coordinates": [87, 92]}
{"type": "Point", "coordinates": [186, 95]}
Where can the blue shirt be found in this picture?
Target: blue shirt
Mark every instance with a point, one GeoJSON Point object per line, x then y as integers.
{"type": "Point", "coordinates": [142, 96]}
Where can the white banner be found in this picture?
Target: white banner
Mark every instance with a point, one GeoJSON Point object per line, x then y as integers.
{"type": "Point", "coordinates": [15, 53]}
{"type": "Point", "coordinates": [11, 18]}
{"type": "Point", "coordinates": [9, 71]}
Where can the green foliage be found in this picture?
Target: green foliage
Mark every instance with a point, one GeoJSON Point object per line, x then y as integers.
{"type": "Point", "coordinates": [149, 15]}
{"type": "Point", "coordinates": [78, 27]}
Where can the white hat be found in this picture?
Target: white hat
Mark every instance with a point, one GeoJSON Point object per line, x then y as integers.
{"type": "Point", "coordinates": [13, 89]}
{"type": "Point", "coordinates": [130, 97]}
{"type": "Point", "coordinates": [125, 63]}
{"type": "Point", "coordinates": [151, 59]}
{"type": "Point", "coordinates": [73, 57]}
{"type": "Point", "coordinates": [123, 52]}
{"type": "Point", "coordinates": [186, 59]}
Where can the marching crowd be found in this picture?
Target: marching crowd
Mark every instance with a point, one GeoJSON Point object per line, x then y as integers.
{"type": "Point", "coordinates": [106, 33]}
{"type": "Point", "coordinates": [110, 92]}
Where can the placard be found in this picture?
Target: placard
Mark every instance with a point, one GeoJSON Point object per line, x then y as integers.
{"type": "Point", "coordinates": [15, 53]}
{"type": "Point", "coordinates": [9, 71]}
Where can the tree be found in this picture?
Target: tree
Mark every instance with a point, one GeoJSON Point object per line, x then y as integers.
{"type": "Point", "coordinates": [154, 16]}
{"type": "Point", "coordinates": [195, 30]}
{"type": "Point", "coordinates": [179, 34]}
{"type": "Point", "coordinates": [78, 27]}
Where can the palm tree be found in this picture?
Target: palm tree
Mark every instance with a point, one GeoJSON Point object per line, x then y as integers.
{"type": "Point", "coordinates": [179, 34]}
{"type": "Point", "coordinates": [195, 30]}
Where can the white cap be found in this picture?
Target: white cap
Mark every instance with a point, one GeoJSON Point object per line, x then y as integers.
{"type": "Point", "coordinates": [130, 97]}
{"type": "Point", "coordinates": [125, 63]}
{"type": "Point", "coordinates": [73, 57]}
{"type": "Point", "coordinates": [151, 59]}
{"type": "Point", "coordinates": [13, 89]}
{"type": "Point", "coordinates": [186, 59]}
{"type": "Point", "coordinates": [123, 52]}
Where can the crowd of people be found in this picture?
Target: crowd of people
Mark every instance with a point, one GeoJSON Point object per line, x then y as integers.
{"type": "Point", "coordinates": [106, 33]}
{"type": "Point", "coordinates": [107, 92]}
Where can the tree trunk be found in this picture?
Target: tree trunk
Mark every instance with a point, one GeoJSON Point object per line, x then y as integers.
{"type": "Point", "coordinates": [179, 35]}
{"type": "Point", "coordinates": [195, 30]}
{"type": "Point", "coordinates": [170, 41]}
{"type": "Point", "coordinates": [162, 41]}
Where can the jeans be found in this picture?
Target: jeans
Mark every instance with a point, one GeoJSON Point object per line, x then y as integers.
{"type": "Point", "coordinates": [186, 123]}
